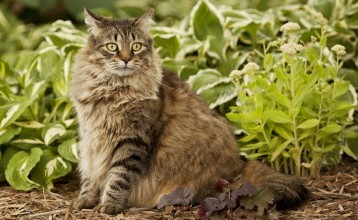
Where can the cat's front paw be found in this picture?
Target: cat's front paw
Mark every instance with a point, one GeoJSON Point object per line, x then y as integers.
{"type": "Point", "coordinates": [85, 203]}
{"type": "Point", "coordinates": [110, 208]}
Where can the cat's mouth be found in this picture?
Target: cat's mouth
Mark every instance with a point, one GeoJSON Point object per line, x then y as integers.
{"type": "Point", "coordinates": [123, 70]}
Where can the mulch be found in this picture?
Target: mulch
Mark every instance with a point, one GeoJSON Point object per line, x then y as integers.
{"type": "Point", "coordinates": [335, 196]}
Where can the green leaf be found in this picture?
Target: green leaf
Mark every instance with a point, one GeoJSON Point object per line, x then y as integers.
{"type": "Point", "coordinates": [35, 89]}
{"type": "Point", "coordinates": [69, 150]}
{"type": "Point", "coordinates": [9, 152]}
{"type": "Point", "coordinates": [205, 79]}
{"type": "Point", "coordinates": [256, 155]}
{"type": "Point", "coordinates": [268, 62]}
{"type": "Point", "coordinates": [278, 116]}
{"type": "Point", "coordinates": [244, 117]}
{"type": "Point", "coordinates": [19, 168]}
{"type": "Point", "coordinates": [234, 59]}
{"type": "Point", "coordinates": [281, 98]}
{"type": "Point", "coordinates": [341, 88]}
{"type": "Point", "coordinates": [281, 75]}
{"type": "Point", "coordinates": [219, 94]}
{"type": "Point", "coordinates": [279, 149]}
{"type": "Point", "coordinates": [53, 132]}
{"type": "Point", "coordinates": [250, 147]}
{"type": "Point", "coordinates": [349, 152]}
{"type": "Point", "coordinates": [310, 123]}
{"type": "Point", "coordinates": [260, 200]}
{"type": "Point", "coordinates": [248, 138]}
{"type": "Point", "coordinates": [50, 167]}
{"type": "Point", "coordinates": [27, 143]}
{"type": "Point", "coordinates": [206, 20]}
{"type": "Point", "coordinates": [331, 128]}
{"type": "Point", "coordinates": [29, 124]}
{"type": "Point", "coordinates": [9, 113]}
{"type": "Point", "coordinates": [208, 24]}
{"type": "Point", "coordinates": [284, 132]}
{"type": "Point", "coordinates": [169, 44]}
{"type": "Point", "coordinates": [6, 134]}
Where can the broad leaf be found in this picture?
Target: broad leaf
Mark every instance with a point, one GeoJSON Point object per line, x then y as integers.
{"type": "Point", "coordinates": [6, 134]}
{"type": "Point", "coordinates": [244, 117]}
{"type": "Point", "coordinates": [181, 196]}
{"type": "Point", "coordinates": [331, 128]}
{"type": "Point", "coordinates": [19, 168]}
{"type": "Point", "coordinates": [69, 150]}
{"type": "Point", "coordinates": [208, 24]}
{"type": "Point", "coordinates": [279, 150]}
{"type": "Point", "coordinates": [310, 123]}
{"type": "Point", "coordinates": [7, 155]}
{"type": "Point", "coordinates": [246, 189]}
{"type": "Point", "coordinates": [50, 167]}
{"type": "Point", "coordinates": [53, 132]}
{"type": "Point", "coordinates": [10, 112]}
{"type": "Point", "coordinates": [207, 21]}
{"type": "Point", "coordinates": [219, 94]}
{"type": "Point", "coordinates": [278, 116]}
{"type": "Point", "coordinates": [259, 200]}
{"type": "Point", "coordinates": [168, 43]}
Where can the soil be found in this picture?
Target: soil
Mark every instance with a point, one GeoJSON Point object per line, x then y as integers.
{"type": "Point", "coordinates": [335, 196]}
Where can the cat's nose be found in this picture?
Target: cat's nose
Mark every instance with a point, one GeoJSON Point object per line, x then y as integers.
{"type": "Point", "coordinates": [126, 60]}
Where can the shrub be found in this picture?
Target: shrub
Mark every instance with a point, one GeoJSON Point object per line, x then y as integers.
{"type": "Point", "coordinates": [296, 108]}
{"type": "Point", "coordinates": [37, 126]}
{"type": "Point", "coordinates": [215, 42]}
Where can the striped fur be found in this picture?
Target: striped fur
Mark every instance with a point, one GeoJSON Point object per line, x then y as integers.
{"type": "Point", "coordinates": [145, 133]}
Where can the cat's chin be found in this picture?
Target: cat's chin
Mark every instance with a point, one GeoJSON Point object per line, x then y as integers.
{"type": "Point", "coordinates": [123, 72]}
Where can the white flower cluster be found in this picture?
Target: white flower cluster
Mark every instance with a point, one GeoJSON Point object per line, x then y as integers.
{"type": "Point", "coordinates": [290, 27]}
{"type": "Point", "coordinates": [321, 20]}
{"type": "Point", "coordinates": [291, 48]}
{"type": "Point", "coordinates": [339, 50]}
{"type": "Point", "coordinates": [249, 67]}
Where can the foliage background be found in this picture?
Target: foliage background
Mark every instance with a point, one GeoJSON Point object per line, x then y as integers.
{"type": "Point", "coordinates": [204, 41]}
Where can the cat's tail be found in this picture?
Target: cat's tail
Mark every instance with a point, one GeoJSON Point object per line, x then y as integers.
{"type": "Point", "coordinates": [288, 191]}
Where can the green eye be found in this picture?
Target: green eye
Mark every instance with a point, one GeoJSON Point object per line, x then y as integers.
{"type": "Point", "coordinates": [136, 46]}
{"type": "Point", "coordinates": [112, 47]}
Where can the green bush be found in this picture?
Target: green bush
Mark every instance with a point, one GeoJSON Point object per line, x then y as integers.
{"type": "Point", "coordinates": [295, 110]}
{"type": "Point", "coordinates": [38, 138]}
{"type": "Point", "coordinates": [284, 129]}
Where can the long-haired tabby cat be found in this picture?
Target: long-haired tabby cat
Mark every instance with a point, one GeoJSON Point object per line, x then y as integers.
{"type": "Point", "coordinates": [145, 132]}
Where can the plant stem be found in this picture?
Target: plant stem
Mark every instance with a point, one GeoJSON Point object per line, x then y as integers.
{"type": "Point", "coordinates": [319, 119]}
{"type": "Point", "coordinates": [296, 157]}
{"type": "Point", "coordinates": [333, 90]}
{"type": "Point", "coordinates": [285, 166]}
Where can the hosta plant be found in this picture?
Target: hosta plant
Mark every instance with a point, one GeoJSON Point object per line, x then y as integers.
{"type": "Point", "coordinates": [215, 41]}
{"type": "Point", "coordinates": [296, 107]}
{"type": "Point", "coordinates": [37, 125]}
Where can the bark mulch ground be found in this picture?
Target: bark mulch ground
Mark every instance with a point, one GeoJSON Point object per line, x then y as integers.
{"type": "Point", "coordinates": [335, 196]}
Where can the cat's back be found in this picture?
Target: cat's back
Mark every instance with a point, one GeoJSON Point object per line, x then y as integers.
{"type": "Point", "coordinates": [192, 131]}
{"type": "Point", "coordinates": [179, 98]}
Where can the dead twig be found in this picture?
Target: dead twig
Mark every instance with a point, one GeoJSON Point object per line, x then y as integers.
{"type": "Point", "coordinates": [32, 216]}
{"type": "Point", "coordinates": [323, 194]}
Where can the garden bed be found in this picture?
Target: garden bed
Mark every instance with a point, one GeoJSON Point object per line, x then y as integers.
{"type": "Point", "coordinates": [335, 196]}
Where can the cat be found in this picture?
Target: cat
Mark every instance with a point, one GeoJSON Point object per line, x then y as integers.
{"type": "Point", "coordinates": [145, 133]}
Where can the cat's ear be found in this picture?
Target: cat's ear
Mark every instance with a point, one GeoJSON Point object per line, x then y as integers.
{"type": "Point", "coordinates": [93, 22]}
{"type": "Point", "coordinates": [146, 21]}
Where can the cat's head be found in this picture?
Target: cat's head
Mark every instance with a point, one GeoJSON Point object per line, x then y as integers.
{"type": "Point", "coordinates": [121, 47]}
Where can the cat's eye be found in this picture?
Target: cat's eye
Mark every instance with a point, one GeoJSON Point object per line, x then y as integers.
{"type": "Point", "coordinates": [112, 47]}
{"type": "Point", "coordinates": [136, 46]}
